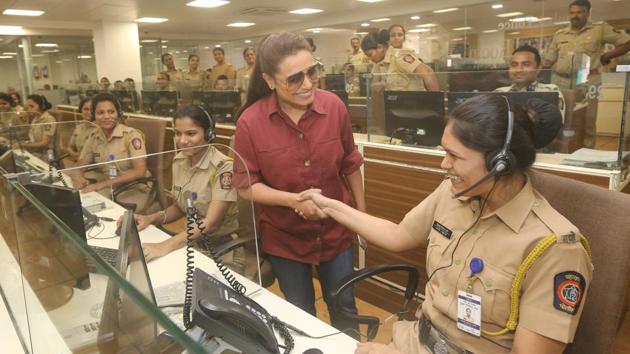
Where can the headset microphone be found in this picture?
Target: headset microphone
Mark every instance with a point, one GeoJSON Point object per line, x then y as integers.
{"type": "Point", "coordinates": [500, 163]}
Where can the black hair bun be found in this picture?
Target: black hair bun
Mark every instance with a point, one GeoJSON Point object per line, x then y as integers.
{"type": "Point", "coordinates": [383, 36]}
{"type": "Point", "coordinates": [549, 121]}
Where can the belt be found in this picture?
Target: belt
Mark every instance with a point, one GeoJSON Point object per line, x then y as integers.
{"type": "Point", "coordinates": [435, 341]}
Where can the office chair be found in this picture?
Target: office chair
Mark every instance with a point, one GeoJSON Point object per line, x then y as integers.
{"type": "Point", "coordinates": [601, 215]}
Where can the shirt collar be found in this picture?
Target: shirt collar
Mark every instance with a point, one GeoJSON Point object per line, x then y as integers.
{"type": "Point", "coordinates": [532, 85]}
{"type": "Point", "coordinates": [272, 107]}
{"type": "Point", "coordinates": [588, 24]}
{"type": "Point", "coordinates": [209, 157]}
{"type": "Point", "coordinates": [514, 212]}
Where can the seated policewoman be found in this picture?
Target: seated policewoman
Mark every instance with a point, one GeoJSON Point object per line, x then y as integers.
{"type": "Point", "coordinates": [202, 169]}
{"type": "Point", "coordinates": [479, 226]}
{"type": "Point", "coordinates": [41, 133]}
{"type": "Point", "coordinates": [115, 142]}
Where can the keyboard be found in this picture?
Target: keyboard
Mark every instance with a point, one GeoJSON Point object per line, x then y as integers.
{"type": "Point", "coordinates": [109, 255]}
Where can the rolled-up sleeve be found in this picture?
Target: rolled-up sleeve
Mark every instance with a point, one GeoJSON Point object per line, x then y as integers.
{"type": "Point", "coordinates": [245, 161]}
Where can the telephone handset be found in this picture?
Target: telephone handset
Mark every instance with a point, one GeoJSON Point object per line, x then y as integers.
{"type": "Point", "coordinates": [225, 311]}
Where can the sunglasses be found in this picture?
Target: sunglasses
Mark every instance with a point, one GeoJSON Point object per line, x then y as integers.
{"type": "Point", "coordinates": [294, 81]}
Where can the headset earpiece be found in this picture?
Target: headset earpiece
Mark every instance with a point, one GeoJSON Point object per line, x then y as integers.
{"type": "Point", "coordinates": [209, 133]}
{"type": "Point", "coordinates": [500, 164]}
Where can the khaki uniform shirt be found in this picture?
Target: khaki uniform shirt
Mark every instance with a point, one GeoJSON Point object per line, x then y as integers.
{"type": "Point", "coordinates": [39, 129]}
{"type": "Point", "coordinates": [358, 58]}
{"type": "Point", "coordinates": [397, 70]}
{"type": "Point", "coordinates": [243, 76]}
{"type": "Point", "coordinates": [502, 240]}
{"type": "Point", "coordinates": [81, 133]}
{"type": "Point", "coordinates": [125, 142]}
{"type": "Point", "coordinates": [194, 80]}
{"type": "Point", "coordinates": [211, 179]}
{"type": "Point", "coordinates": [223, 69]}
{"type": "Point", "coordinates": [538, 87]}
{"type": "Point", "coordinates": [175, 75]}
{"type": "Point", "coordinates": [589, 40]}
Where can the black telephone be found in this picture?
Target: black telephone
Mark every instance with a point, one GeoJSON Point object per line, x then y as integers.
{"type": "Point", "coordinates": [227, 314]}
{"type": "Point", "coordinates": [225, 311]}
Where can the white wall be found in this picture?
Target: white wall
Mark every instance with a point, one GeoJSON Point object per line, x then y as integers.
{"type": "Point", "coordinates": [9, 74]}
{"type": "Point", "coordinates": [117, 50]}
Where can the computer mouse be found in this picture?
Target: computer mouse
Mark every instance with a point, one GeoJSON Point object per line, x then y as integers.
{"type": "Point", "coordinates": [313, 351]}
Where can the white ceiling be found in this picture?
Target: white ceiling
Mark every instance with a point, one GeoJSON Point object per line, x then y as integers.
{"type": "Point", "coordinates": [64, 17]}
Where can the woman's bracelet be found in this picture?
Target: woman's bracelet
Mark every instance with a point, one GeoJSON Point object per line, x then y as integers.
{"type": "Point", "coordinates": [163, 213]}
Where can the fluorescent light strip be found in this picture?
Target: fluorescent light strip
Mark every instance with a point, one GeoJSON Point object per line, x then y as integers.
{"type": "Point", "coordinates": [305, 11]}
{"type": "Point", "coordinates": [427, 25]}
{"type": "Point", "coordinates": [207, 3]}
{"type": "Point", "coordinates": [148, 41]}
{"type": "Point", "coordinates": [490, 31]}
{"type": "Point", "coordinates": [497, 6]}
{"type": "Point", "coordinates": [445, 10]}
{"type": "Point", "coordinates": [9, 53]}
{"type": "Point", "coordinates": [370, 1]}
{"type": "Point", "coordinates": [241, 24]}
{"type": "Point", "coordinates": [382, 19]}
{"type": "Point", "coordinates": [152, 19]}
{"type": "Point", "coordinates": [6, 57]}
{"type": "Point", "coordinates": [365, 24]}
{"type": "Point", "coordinates": [510, 14]}
{"type": "Point", "coordinates": [18, 12]}
{"type": "Point", "coordinates": [10, 30]}
{"type": "Point", "coordinates": [84, 57]}
{"type": "Point", "coordinates": [46, 45]}
{"type": "Point", "coordinates": [418, 30]}
{"type": "Point", "coordinates": [415, 18]}
{"type": "Point", "coordinates": [462, 28]}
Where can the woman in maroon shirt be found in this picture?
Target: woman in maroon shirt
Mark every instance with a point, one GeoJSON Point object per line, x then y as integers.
{"type": "Point", "coordinates": [293, 137]}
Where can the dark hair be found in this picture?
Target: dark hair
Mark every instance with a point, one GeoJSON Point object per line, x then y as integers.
{"type": "Point", "coordinates": [19, 97]}
{"type": "Point", "coordinates": [529, 49]}
{"type": "Point", "coordinates": [192, 56]}
{"type": "Point", "coordinates": [248, 48]}
{"type": "Point", "coordinates": [197, 114]}
{"type": "Point", "coordinates": [395, 25]}
{"type": "Point", "coordinates": [373, 39]}
{"type": "Point", "coordinates": [83, 102]}
{"type": "Point", "coordinates": [355, 37]}
{"type": "Point", "coordinates": [129, 80]}
{"type": "Point", "coordinates": [271, 51]}
{"type": "Point", "coordinates": [164, 56]}
{"type": "Point", "coordinates": [481, 123]}
{"type": "Point", "coordinates": [222, 77]}
{"type": "Point", "coordinates": [218, 49]}
{"type": "Point", "coordinates": [349, 65]}
{"type": "Point", "coordinates": [106, 78]}
{"type": "Point", "coordinates": [41, 101]}
{"type": "Point", "coordinates": [105, 97]}
{"type": "Point", "coordinates": [583, 3]}
{"type": "Point", "coordinates": [7, 97]}
{"type": "Point", "coordinates": [311, 42]}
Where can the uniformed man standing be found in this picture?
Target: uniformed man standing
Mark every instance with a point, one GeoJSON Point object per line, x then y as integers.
{"type": "Point", "coordinates": [356, 56]}
{"type": "Point", "coordinates": [525, 65]}
{"type": "Point", "coordinates": [584, 37]}
{"type": "Point", "coordinates": [221, 68]}
{"type": "Point", "coordinates": [172, 72]}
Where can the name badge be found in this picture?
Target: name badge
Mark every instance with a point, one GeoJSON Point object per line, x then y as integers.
{"type": "Point", "coordinates": [469, 312]}
{"type": "Point", "coordinates": [443, 230]}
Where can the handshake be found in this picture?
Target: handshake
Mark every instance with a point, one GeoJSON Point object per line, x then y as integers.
{"type": "Point", "coordinates": [311, 205]}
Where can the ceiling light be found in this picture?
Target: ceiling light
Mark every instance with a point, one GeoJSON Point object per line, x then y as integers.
{"type": "Point", "coordinates": [206, 47]}
{"type": "Point", "coordinates": [415, 17]}
{"type": "Point", "coordinates": [207, 3]}
{"type": "Point", "coordinates": [217, 46]}
{"type": "Point", "coordinates": [497, 6]}
{"type": "Point", "coordinates": [365, 24]}
{"type": "Point", "coordinates": [152, 19]}
{"type": "Point", "coordinates": [462, 28]}
{"type": "Point", "coordinates": [561, 23]}
{"type": "Point", "coordinates": [514, 33]}
{"type": "Point", "coordinates": [382, 19]}
{"type": "Point", "coordinates": [369, 1]}
{"type": "Point", "coordinates": [58, 62]}
{"type": "Point", "coordinates": [361, 33]}
{"type": "Point", "coordinates": [524, 19]}
{"type": "Point", "coordinates": [305, 11]}
{"type": "Point", "coordinates": [148, 41]}
{"type": "Point", "coordinates": [16, 12]}
{"type": "Point", "coordinates": [248, 41]}
{"type": "Point", "coordinates": [418, 30]}
{"type": "Point", "coordinates": [9, 30]}
{"type": "Point", "coordinates": [510, 14]}
{"type": "Point", "coordinates": [445, 10]}
{"type": "Point", "coordinates": [51, 51]}
{"type": "Point", "coordinates": [457, 39]}
{"type": "Point", "coordinates": [164, 46]}
{"type": "Point", "coordinates": [46, 45]}
{"type": "Point", "coordinates": [241, 24]}
{"type": "Point", "coordinates": [490, 31]}
{"type": "Point", "coordinates": [164, 41]}
{"type": "Point", "coordinates": [426, 25]}
{"type": "Point", "coordinates": [84, 57]}
{"type": "Point", "coordinates": [316, 31]}
{"type": "Point", "coordinates": [9, 53]}
{"type": "Point", "coordinates": [5, 57]}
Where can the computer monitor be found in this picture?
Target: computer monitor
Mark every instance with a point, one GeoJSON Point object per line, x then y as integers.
{"type": "Point", "coordinates": [222, 105]}
{"type": "Point", "coordinates": [477, 80]}
{"type": "Point", "coordinates": [415, 117]}
{"type": "Point", "coordinates": [65, 204]}
{"type": "Point", "coordinates": [335, 82]}
{"type": "Point", "coordinates": [7, 163]}
{"type": "Point", "coordinates": [159, 103]}
{"type": "Point", "coordinates": [124, 323]}
{"type": "Point", "coordinates": [128, 99]}
{"type": "Point", "coordinates": [457, 98]}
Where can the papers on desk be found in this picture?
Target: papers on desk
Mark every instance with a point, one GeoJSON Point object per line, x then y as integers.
{"type": "Point", "coordinates": [593, 158]}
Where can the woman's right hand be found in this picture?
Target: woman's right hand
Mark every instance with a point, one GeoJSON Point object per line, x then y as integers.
{"type": "Point", "coordinates": [316, 196]}
{"type": "Point", "coordinates": [79, 182]}
{"type": "Point", "coordinates": [308, 209]}
{"type": "Point", "coordinates": [142, 221]}
{"type": "Point", "coordinates": [155, 250]}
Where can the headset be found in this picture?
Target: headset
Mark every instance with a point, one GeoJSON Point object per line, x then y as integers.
{"type": "Point", "coordinates": [498, 163]}
{"type": "Point", "coordinates": [209, 134]}
{"type": "Point", "coordinates": [102, 97]}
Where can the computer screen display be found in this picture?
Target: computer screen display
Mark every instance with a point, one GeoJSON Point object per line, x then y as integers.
{"type": "Point", "coordinates": [159, 103]}
{"type": "Point", "coordinates": [128, 99]}
{"type": "Point", "coordinates": [222, 105]}
{"type": "Point", "coordinates": [457, 98]}
{"type": "Point", "coordinates": [415, 117]}
{"type": "Point", "coordinates": [335, 82]}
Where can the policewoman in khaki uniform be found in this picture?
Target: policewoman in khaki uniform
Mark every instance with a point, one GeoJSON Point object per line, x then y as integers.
{"type": "Point", "coordinates": [173, 73]}
{"type": "Point", "coordinates": [82, 131]}
{"type": "Point", "coordinates": [244, 74]}
{"type": "Point", "coordinates": [479, 227]}
{"type": "Point", "coordinates": [584, 36]}
{"type": "Point", "coordinates": [116, 142]}
{"type": "Point", "coordinates": [41, 133]}
{"type": "Point", "coordinates": [202, 169]}
{"type": "Point", "coordinates": [193, 79]}
{"type": "Point", "coordinates": [221, 68]}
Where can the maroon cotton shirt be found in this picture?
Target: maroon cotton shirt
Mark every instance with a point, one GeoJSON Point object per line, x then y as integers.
{"type": "Point", "coordinates": [316, 153]}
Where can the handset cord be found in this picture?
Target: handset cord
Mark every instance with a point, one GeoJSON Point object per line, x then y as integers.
{"type": "Point", "coordinates": [289, 342]}
{"type": "Point", "coordinates": [190, 264]}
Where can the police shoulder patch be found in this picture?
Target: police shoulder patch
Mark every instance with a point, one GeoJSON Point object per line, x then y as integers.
{"type": "Point", "coordinates": [225, 179]}
{"type": "Point", "coordinates": [408, 58]}
{"type": "Point", "coordinates": [137, 143]}
{"type": "Point", "coordinates": [569, 289]}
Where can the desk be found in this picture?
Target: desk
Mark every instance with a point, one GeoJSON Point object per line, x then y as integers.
{"type": "Point", "coordinates": [45, 326]}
